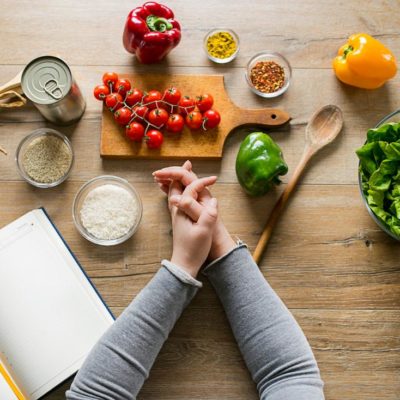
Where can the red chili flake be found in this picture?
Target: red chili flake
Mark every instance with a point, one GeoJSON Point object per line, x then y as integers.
{"type": "Point", "coordinates": [267, 76]}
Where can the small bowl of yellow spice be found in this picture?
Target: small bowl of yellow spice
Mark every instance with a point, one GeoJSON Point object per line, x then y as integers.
{"type": "Point", "coordinates": [221, 45]}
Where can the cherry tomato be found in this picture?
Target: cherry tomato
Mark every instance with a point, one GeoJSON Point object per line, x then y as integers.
{"type": "Point", "coordinates": [114, 101]}
{"type": "Point", "coordinates": [110, 78]}
{"type": "Point", "coordinates": [135, 131]}
{"type": "Point", "coordinates": [172, 96]}
{"type": "Point", "coordinates": [154, 139]}
{"type": "Point", "coordinates": [175, 123]}
{"type": "Point", "coordinates": [101, 91]}
{"type": "Point", "coordinates": [151, 99]}
{"type": "Point", "coordinates": [141, 112]}
{"type": "Point", "coordinates": [204, 102]}
{"type": "Point", "coordinates": [133, 97]}
{"type": "Point", "coordinates": [123, 116]}
{"type": "Point", "coordinates": [186, 105]}
{"type": "Point", "coordinates": [194, 120]}
{"type": "Point", "coordinates": [158, 117]}
{"type": "Point", "coordinates": [122, 86]}
{"type": "Point", "coordinates": [211, 119]}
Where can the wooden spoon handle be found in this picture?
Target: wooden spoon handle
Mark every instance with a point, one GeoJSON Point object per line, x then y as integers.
{"type": "Point", "coordinates": [280, 205]}
{"type": "Point", "coordinates": [262, 117]}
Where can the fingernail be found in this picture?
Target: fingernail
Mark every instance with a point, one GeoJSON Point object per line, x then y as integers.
{"type": "Point", "coordinates": [214, 202]}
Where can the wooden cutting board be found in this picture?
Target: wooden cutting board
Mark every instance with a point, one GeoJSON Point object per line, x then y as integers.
{"type": "Point", "coordinates": [189, 144]}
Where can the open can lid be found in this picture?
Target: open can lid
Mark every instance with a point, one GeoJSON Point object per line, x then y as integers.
{"type": "Point", "coordinates": [46, 80]}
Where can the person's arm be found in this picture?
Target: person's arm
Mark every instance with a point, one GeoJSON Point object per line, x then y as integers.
{"type": "Point", "coordinates": [273, 345]}
{"type": "Point", "coordinates": [120, 362]}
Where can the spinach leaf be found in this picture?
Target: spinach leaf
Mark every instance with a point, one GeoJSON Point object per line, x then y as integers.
{"type": "Point", "coordinates": [385, 133]}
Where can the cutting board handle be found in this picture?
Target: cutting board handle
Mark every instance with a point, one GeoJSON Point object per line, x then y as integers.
{"type": "Point", "coordinates": [270, 117]}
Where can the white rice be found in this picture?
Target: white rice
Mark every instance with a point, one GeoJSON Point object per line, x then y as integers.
{"type": "Point", "coordinates": [109, 212]}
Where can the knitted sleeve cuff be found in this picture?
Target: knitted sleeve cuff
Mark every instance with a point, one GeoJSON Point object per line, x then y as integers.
{"type": "Point", "coordinates": [181, 274]}
{"type": "Point", "coordinates": [239, 244]}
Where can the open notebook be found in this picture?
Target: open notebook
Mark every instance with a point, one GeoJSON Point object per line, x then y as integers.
{"type": "Point", "coordinates": [50, 313]}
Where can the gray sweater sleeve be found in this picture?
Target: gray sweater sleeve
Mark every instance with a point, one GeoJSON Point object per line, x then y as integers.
{"type": "Point", "coordinates": [274, 347]}
{"type": "Point", "coordinates": [120, 362]}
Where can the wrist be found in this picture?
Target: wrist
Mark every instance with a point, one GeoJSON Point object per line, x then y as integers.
{"type": "Point", "coordinates": [187, 265]}
{"type": "Point", "coordinates": [222, 242]}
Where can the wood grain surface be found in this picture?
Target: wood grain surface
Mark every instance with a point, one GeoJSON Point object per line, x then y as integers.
{"type": "Point", "coordinates": [333, 267]}
{"type": "Point", "coordinates": [198, 144]}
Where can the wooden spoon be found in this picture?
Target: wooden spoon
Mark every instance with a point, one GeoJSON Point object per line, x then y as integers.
{"type": "Point", "coordinates": [322, 129]}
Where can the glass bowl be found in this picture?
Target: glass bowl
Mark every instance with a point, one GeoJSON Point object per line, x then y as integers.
{"type": "Point", "coordinates": [81, 196]}
{"type": "Point", "coordinates": [221, 60]}
{"type": "Point", "coordinates": [269, 56]}
{"type": "Point", "coordinates": [392, 117]}
{"type": "Point", "coordinates": [22, 147]}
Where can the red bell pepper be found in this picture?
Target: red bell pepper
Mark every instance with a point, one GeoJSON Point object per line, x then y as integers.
{"type": "Point", "coordinates": [151, 32]}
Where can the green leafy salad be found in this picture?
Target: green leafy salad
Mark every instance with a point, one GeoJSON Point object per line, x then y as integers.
{"type": "Point", "coordinates": [380, 173]}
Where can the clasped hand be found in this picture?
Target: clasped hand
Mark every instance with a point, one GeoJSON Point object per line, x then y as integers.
{"type": "Point", "coordinates": [198, 231]}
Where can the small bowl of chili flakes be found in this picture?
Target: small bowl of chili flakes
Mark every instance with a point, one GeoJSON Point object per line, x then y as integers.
{"type": "Point", "coordinates": [268, 74]}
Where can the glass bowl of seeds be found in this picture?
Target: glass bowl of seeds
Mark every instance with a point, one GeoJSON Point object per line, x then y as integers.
{"type": "Point", "coordinates": [268, 74]}
{"type": "Point", "coordinates": [45, 158]}
{"type": "Point", "coordinates": [221, 45]}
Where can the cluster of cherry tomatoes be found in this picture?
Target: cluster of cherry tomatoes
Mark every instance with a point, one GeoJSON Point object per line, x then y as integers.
{"type": "Point", "coordinates": [144, 114]}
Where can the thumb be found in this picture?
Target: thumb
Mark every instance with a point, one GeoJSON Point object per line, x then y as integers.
{"type": "Point", "coordinates": [209, 214]}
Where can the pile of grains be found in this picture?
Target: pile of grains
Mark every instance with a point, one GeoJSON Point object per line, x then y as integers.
{"type": "Point", "coordinates": [267, 76]}
{"type": "Point", "coordinates": [221, 45]}
{"type": "Point", "coordinates": [109, 212]}
{"type": "Point", "coordinates": [47, 159]}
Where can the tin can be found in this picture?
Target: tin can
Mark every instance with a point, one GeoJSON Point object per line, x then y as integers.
{"type": "Point", "coordinates": [48, 82]}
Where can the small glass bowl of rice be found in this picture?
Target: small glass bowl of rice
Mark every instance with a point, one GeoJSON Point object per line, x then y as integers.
{"type": "Point", "coordinates": [107, 210]}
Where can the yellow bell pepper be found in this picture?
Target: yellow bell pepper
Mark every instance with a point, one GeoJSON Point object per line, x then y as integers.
{"type": "Point", "coordinates": [364, 62]}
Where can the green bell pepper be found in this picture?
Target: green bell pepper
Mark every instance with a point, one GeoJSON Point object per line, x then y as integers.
{"type": "Point", "coordinates": [259, 163]}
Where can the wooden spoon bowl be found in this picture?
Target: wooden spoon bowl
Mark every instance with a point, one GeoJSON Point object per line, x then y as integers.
{"type": "Point", "coordinates": [323, 127]}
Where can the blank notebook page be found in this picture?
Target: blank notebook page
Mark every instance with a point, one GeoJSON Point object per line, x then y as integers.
{"type": "Point", "coordinates": [5, 391]}
{"type": "Point", "coordinates": [50, 315]}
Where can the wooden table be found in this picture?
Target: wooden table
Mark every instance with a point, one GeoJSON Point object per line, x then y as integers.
{"type": "Point", "coordinates": [330, 263]}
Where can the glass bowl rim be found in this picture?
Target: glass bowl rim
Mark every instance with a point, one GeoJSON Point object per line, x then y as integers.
{"type": "Point", "coordinates": [33, 135]}
{"type": "Point", "coordinates": [81, 229]}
